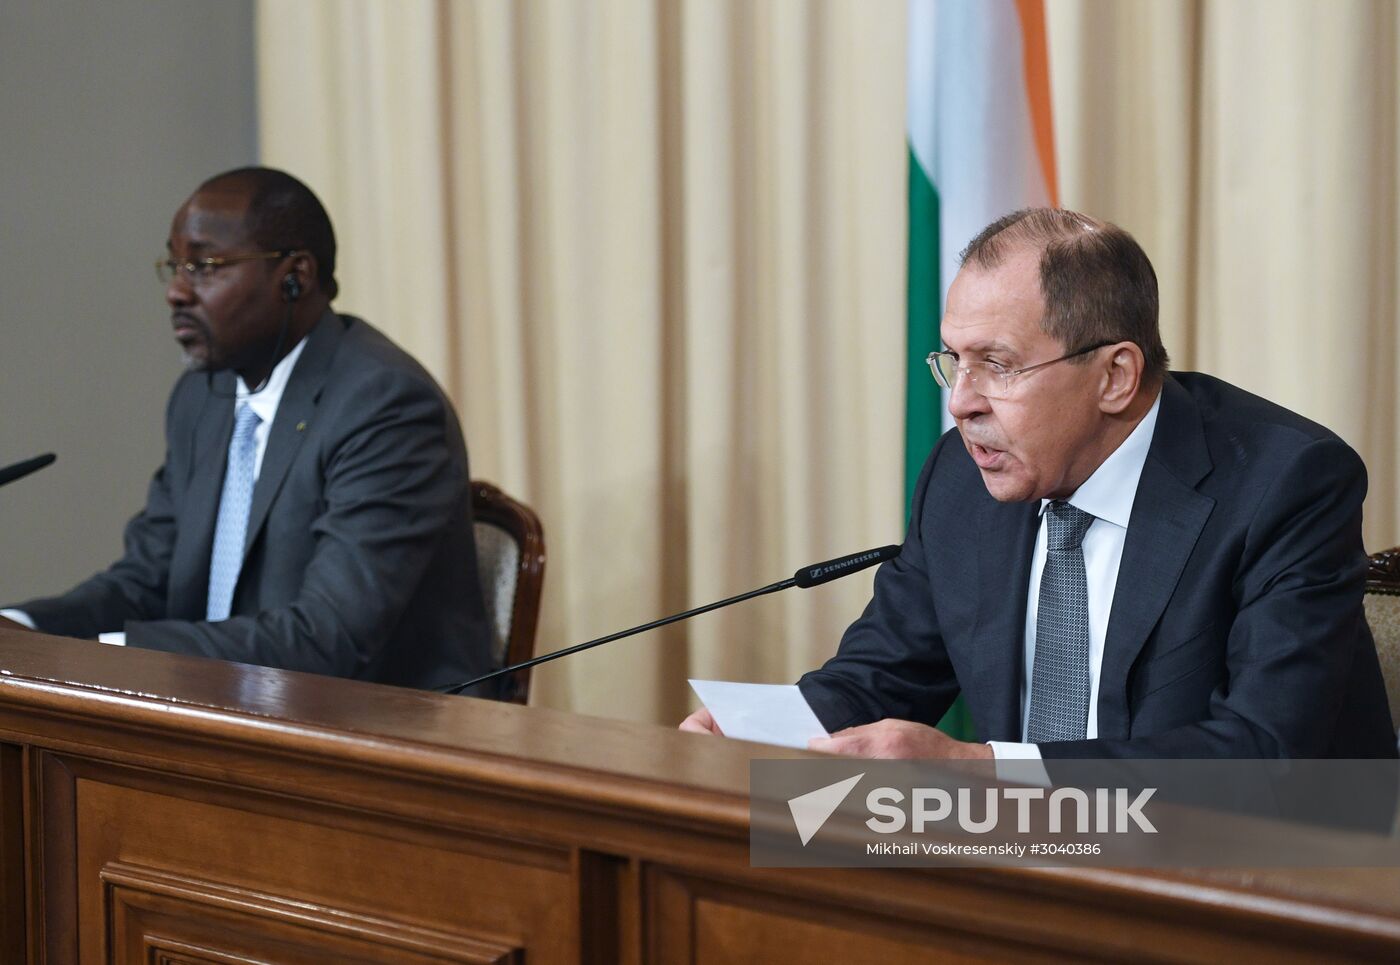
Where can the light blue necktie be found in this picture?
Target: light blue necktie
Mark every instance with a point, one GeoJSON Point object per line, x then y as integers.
{"type": "Point", "coordinates": [234, 505]}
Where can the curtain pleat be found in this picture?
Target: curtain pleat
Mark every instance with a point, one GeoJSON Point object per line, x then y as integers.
{"type": "Point", "coordinates": [654, 251]}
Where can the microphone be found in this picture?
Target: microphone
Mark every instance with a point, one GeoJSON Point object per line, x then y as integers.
{"type": "Point", "coordinates": [816, 575]}
{"type": "Point", "coordinates": [807, 577]}
{"type": "Point", "coordinates": [21, 469]}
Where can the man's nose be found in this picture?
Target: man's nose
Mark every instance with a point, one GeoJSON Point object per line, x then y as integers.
{"type": "Point", "coordinates": [179, 290]}
{"type": "Point", "coordinates": [965, 401]}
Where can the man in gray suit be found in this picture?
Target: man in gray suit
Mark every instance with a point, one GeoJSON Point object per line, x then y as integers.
{"type": "Point", "coordinates": [314, 509]}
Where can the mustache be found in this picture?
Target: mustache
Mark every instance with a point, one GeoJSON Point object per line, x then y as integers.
{"type": "Point", "coordinates": [176, 318]}
{"type": "Point", "coordinates": [978, 439]}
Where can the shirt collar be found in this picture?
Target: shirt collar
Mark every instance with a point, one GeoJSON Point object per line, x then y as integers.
{"type": "Point", "coordinates": [265, 402]}
{"type": "Point", "coordinates": [1109, 493]}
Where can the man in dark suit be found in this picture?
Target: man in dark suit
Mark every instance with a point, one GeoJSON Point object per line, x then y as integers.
{"type": "Point", "coordinates": [1105, 559]}
{"type": "Point", "coordinates": [313, 512]}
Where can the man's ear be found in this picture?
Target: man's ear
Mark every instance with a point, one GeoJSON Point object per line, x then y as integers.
{"type": "Point", "coordinates": [301, 268]}
{"type": "Point", "coordinates": [1122, 375]}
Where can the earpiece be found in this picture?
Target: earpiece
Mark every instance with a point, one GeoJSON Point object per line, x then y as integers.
{"type": "Point", "coordinates": [291, 287]}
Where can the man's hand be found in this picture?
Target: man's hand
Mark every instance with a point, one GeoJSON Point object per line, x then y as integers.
{"type": "Point", "coordinates": [898, 739]}
{"type": "Point", "coordinates": [701, 722]}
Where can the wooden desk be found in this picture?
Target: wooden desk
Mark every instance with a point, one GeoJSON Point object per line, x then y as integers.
{"type": "Point", "coordinates": [158, 808]}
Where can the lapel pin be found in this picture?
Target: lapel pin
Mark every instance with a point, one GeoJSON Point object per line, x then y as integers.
{"type": "Point", "coordinates": [301, 427]}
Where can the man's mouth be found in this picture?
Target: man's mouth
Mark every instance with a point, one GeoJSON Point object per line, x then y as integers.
{"type": "Point", "coordinates": [186, 329]}
{"type": "Point", "coordinates": [986, 457]}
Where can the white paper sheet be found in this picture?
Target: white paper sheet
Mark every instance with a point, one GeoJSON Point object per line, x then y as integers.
{"type": "Point", "coordinates": [767, 713]}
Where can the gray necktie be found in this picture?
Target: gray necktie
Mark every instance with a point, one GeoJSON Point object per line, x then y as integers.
{"type": "Point", "coordinates": [1060, 681]}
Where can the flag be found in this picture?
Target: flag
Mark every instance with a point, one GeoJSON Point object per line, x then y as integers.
{"type": "Point", "coordinates": [981, 145]}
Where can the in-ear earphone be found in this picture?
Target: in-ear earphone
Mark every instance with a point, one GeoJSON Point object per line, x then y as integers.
{"type": "Point", "coordinates": [291, 287]}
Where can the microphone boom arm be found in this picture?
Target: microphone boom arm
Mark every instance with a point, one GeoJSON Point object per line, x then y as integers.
{"type": "Point", "coordinates": [806, 577]}
{"type": "Point", "coordinates": [576, 648]}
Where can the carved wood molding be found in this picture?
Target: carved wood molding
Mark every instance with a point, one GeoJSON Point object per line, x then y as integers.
{"type": "Point", "coordinates": [252, 919]}
{"type": "Point", "coordinates": [135, 718]}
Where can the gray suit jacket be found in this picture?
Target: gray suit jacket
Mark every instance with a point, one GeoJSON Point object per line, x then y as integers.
{"type": "Point", "coordinates": [359, 560]}
{"type": "Point", "coordinates": [1237, 627]}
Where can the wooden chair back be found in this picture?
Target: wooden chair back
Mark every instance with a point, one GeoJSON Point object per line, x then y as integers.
{"type": "Point", "coordinates": [510, 563]}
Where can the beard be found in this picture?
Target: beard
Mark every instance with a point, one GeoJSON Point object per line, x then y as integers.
{"type": "Point", "coordinates": [195, 340]}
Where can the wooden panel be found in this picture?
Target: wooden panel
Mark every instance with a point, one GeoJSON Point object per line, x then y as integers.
{"type": "Point", "coordinates": [729, 933]}
{"type": "Point", "coordinates": [157, 916]}
{"type": "Point", "coordinates": [54, 884]}
{"type": "Point", "coordinates": [12, 910]}
{"type": "Point", "coordinates": [228, 868]}
{"type": "Point", "coordinates": [708, 923]}
{"type": "Point", "coordinates": [889, 916]}
{"type": "Point", "coordinates": [610, 914]}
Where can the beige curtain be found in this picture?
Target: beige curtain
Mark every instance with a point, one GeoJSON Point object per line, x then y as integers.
{"type": "Point", "coordinates": [655, 252]}
{"type": "Point", "coordinates": [1252, 147]}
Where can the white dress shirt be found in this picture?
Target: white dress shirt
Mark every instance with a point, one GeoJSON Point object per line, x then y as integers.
{"type": "Point", "coordinates": [265, 404]}
{"type": "Point", "coordinates": [1108, 496]}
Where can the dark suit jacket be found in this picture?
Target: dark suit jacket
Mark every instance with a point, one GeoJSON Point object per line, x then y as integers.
{"type": "Point", "coordinates": [1237, 627]}
{"type": "Point", "coordinates": [359, 560]}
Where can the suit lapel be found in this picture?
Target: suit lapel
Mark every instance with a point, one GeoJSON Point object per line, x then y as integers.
{"type": "Point", "coordinates": [1004, 549]}
{"type": "Point", "coordinates": [293, 419]}
{"type": "Point", "coordinates": [1167, 519]}
{"type": "Point", "coordinates": [209, 437]}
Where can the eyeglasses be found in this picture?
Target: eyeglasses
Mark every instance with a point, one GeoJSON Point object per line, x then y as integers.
{"type": "Point", "coordinates": [988, 379]}
{"type": "Point", "coordinates": [202, 269]}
